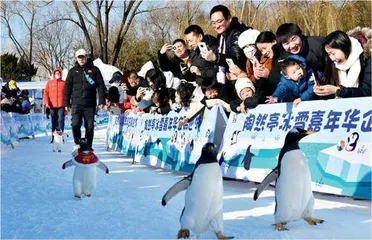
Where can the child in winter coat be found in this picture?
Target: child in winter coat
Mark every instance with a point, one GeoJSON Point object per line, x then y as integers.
{"type": "Point", "coordinates": [296, 79]}
{"type": "Point", "coordinates": [160, 101]}
{"type": "Point", "coordinates": [214, 94]}
{"type": "Point", "coordinates": [247, 96]}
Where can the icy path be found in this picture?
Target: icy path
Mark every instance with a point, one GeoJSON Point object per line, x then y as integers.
{"type": "Point", "coordinates": [37, 202]}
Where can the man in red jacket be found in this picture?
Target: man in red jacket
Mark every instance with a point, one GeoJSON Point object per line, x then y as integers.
{"type": "Point", "coordinates": [54, 100]}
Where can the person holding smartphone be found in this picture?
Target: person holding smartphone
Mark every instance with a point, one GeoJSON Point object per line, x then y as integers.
{"type": "Point", "coordinates": [202, 70]}
{"type": "Point", "coordinates": [172, 64]}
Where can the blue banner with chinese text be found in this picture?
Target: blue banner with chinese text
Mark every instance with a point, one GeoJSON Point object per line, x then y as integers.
{"type": "Point", "coordinates": [339, 152]}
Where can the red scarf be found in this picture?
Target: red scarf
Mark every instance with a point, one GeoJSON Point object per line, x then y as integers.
{"type": "Point", "coordinates": [86, 158]}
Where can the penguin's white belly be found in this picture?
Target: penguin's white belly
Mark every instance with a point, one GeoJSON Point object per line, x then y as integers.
{"type": "Point", "coordinates": [58, 143]}
{"type": "Point", "coordinates": [293, 192]}
{"type": "Point", "coordinates": [203, 200]}
{"type": "Point", "coordinates": [84, 179]}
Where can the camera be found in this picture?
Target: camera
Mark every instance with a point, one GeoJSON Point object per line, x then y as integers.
{"type": "Point", "coordinates": [173, 48]}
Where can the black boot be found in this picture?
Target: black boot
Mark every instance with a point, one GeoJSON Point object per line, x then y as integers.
{"type": "Point", "coordinates": [52, 139]}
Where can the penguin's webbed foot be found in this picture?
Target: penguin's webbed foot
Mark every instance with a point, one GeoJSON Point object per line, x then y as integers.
{"type": "Point", "coordinates": [219, 235]}
{"type": "Point", "coordinates": [88, 195]}
{"type": "Point", "coordinates": [77, 196]}
{"type": "Point", "coordinates": [280, 227]}
{"type": "Point", "coordinates": [313, 221]}
{"type": "Point", "coordinates": [183, 233]}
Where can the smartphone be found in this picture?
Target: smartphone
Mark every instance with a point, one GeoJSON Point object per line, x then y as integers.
{"type": "Point", "coordinates": [183, 65]}
{"type": "Point", "coordinates": [230, 62]}
{"type": "Point", "coordinates": [202, 47]}
{"type": "Point", "coordinates": [256, 61]}
{"type": "Point", "coordinates": [316, 78]}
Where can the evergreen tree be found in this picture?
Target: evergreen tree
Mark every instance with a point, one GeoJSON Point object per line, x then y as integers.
{"type": "Point", "coordinates": [16, 69]}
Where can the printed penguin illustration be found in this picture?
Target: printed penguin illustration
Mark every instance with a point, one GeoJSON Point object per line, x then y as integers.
{"type": "Point", "coordinates": [57, 140]}
{"type": "Point", "coordinates": [293, 194]}
{"type": "Point", "coordinates": [203, 199]}
{"type": "Point", "coordinates": [352, 142]}
{"type": "Point", "coordinates": [248, 158]}
{"type": "Point", "coordinates": [234, 137]}
{"type": "Point", "coordinates": [86, 163]}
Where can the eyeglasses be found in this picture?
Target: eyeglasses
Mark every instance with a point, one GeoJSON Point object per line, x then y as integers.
{"type": "Point", "coordinates": [217, 21]}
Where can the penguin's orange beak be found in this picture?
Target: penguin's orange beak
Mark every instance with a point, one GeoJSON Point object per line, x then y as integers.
{"type": "Point", "coordinates": [308, 132]}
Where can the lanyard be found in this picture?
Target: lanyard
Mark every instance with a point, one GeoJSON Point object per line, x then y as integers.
{"type": "Point", "coordinates": [88, 78]}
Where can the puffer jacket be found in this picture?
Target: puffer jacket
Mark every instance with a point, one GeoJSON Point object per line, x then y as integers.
{"type": "Point", "coordinates": [78, 91]}
{"type": "Point", "coordinates": [303, 88]}
{"type": "Point", "coordinates": [54, 92]}
{"type": "Point", "coordinates": [233, 50]}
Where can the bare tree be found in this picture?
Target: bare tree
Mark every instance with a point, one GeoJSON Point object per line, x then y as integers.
{"type": "Point", "coordinates": [91, 22]}
{"type": "Point", "coordinates": [185, 15]}
{"type": "Point", "coordinates": [159, 25]}
{"type": "Point", "coordinates": [53, 45]}
{"type": "Point", "coordinates": [26, 12]}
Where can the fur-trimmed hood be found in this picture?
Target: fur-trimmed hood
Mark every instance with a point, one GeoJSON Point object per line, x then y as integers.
{"type": "Point", "coordinates": [364, 35]}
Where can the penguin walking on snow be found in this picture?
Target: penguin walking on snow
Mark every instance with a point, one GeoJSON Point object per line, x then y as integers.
{"type": "Point", "coordinates": [293, 194]}
{"type": "Point", "coordinates": [203, 199]}
{"type": "Point", "coordinates": [86, 163]}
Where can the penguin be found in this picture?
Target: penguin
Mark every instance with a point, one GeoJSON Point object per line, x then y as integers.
{"type": "Point", "coordinates": [248, 158]}
{"type": "Point", "coordinates": [352, 142]}
{"type": "Point", "coordinates": [203, 198]}
{"type": "Point", "coordinates": [86, 163]}
{"type": "Point", "coordinates": [58, 140]}
{"type": "Point", "coordinates": [234, 137]}
{"type": "Point", "coordinates": [159, 145]}
{"type": "Point", "coordinates": [294, 199]}
{"type": "Point", "coordinates": [222, 158]}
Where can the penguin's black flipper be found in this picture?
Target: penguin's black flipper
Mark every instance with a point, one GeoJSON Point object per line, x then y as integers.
{"type": "Point", "coordinates": [103, 167]}
{"type": "Point", "coordinates": [273, 175]}
{"type": "Point", "coordinates": [67, 164]}
{"type": "Point", "coordinates": [175, 189]}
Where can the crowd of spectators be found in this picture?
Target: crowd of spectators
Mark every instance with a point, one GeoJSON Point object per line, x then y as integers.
{"type": "Point", "coordinates": [13, 99]}
{"type": "Point", "coordinates": [239, 69]}
{"type": "Point", "coordinates": [244, 67]}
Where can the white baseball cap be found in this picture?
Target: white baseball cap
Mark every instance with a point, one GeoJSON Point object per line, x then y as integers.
{"type": "Point", "coordinates": [80, 52]}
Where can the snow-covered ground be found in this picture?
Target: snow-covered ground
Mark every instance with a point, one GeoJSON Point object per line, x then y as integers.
{"type": "Point", "coordinates": [37, 202]}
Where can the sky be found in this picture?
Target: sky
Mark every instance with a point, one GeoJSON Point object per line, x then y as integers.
{"type": "Point", "coordinates": [19, 28]}
{"type": "Point", "coordinates": [37, 201]}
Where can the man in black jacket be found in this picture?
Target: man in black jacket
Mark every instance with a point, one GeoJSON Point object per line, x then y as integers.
{"type": "Point", "coordinates": [82, 83]}
{"type": "Point", "coordinates": [203, 71]}
{"type": "Point", "coordinates": [228, 29]}
{"type": "Point", "coordinates": [177, 63]}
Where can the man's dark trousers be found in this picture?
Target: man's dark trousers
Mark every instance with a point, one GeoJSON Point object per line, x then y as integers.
{"type": "Point", "coordinates": [78, 113]}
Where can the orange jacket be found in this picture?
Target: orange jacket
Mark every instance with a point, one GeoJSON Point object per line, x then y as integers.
{"type": "Point", "coordinates": [54, 92]}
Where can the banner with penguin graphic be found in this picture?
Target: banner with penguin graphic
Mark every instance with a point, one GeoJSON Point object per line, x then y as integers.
{"type": "Point", "coordinates": [338, 152]}
{"type": "Point", "coordinates": [113, 131]}
{"type": "Point", "coordinates": [132, 134]}
{"type": "Point", "coordinates": [164, 144]}
{"type": "Point", "coordinates": [23, 124]}
{"type": "Point", "coordinates": [39, 123]}
{"type": "Point", "coordinates": [5, 130]}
